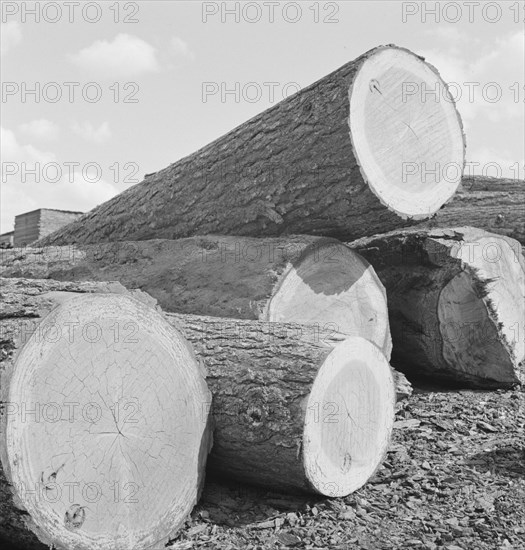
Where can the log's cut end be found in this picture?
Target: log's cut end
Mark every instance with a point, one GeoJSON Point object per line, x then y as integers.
{"type": "Point", "coordinates": [406, 132]}
{"type": "Point", "coordinates": [481, 310]}
{"type": "Point", "coordinates": [107, 436]}
{"type": "Point", "coordinates": [354, 398]}
{"type": "Point", "coordinates": [336, 289]}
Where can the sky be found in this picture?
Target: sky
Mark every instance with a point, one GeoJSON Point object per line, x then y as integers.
{"type": "Point", "coordinates": [97, 94]}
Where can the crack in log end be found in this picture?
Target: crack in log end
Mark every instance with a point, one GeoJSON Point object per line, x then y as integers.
{"type": "Point", "coordinates": [74, 517]}
{"type": "Point", "coordinates": [374, 86]}
{"type": "Point", "coordinates": [347, 463]}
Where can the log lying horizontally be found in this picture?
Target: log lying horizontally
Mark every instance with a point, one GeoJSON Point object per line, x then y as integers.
{"type": "Point", "coordinates": [492, 204]}
{"type": "Point", "coordinates": [103, 437]}
{"type": "Point", "coordinates": [456, 302]}
{"type": "Point", "coordinates": [293, 411]}
{"type": "Point", "coordinates": [295, 279]}
{"type": "Point", "coordinates": [346, 157]}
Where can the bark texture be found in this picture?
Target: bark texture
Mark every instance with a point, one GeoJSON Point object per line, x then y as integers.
{"type": "Point", "coordinates": [267, 177]}
{"type": "Point", "coordinates": [209, 275]}
{"type": "Point", "coordinates": [260, 376]}
{"type": "Point", "coordinates": [455, 299]}
{"type": "Point", "coordinates": [493, 204]}
{"type": "Point", "coordinates": [225, 276]}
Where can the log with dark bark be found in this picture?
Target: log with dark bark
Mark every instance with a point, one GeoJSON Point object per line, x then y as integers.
{"type": "Point", "coordinates": [492, 204]}
{"type": "Point", "coordinates": [295, 279]}
{"type": "Point", "coordinates": [456, 302]}
{"type": "Point", "coordinates": [293, 409]}
{"type": "Point", "coordinates": [346, 157]}
{"type": "Point", "coordinates": [103, 437]}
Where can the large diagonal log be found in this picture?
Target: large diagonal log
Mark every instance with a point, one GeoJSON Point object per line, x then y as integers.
{"type": "Point", "coordinates": [456, 300]}
{"type": "Point", "coordinates": [346, 157]}
{"type": "Point", "coordinates": [103, 434]}
{"type": "Point", "coordinates": [294, 279]}
{"type": "Point", "coordinates": [495, 205]}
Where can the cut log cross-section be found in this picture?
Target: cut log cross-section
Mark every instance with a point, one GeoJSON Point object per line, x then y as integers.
{"type": "Point", "coordinates": [295, 279]}
{"type": "Point", "coordinates": [104, 437]}
{"type": "Point", "coordinates": [346, 157]}
{"type": "Point", "coordinates": [291, 411]}
{"type": "Point", "coordinates": [456, 301]}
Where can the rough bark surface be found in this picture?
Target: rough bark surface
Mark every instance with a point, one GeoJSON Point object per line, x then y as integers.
{"type": "Point", "coordinates": [418, 267]}
{"type": "Point", "coordinates": [269, 176]}
{"type": "Point", "coordinates": [493, 204]}
{"type": "Point", "coordinates": [260, 376]}
{"type": "Point", "coordinates": [209, 275]}
{"type": "Point", "coordinates": [297, 278]}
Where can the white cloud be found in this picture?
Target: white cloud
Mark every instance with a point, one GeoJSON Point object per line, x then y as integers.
{"type": "Point", "coordinates": [10, 36]}
{"type": "Point", "coordinates": [90, 133]}
{"type": "Point", "coordinates": [180, 48]}
{"type": "Point", "coordinates": [126, 56]}
{"type": "Point", "coordinates": [19, 194]}
{"type": "Point", "coordinates": [494, 69]}
{"type": "Point", "coordinates": [41, 128]}
{"type": "Point", "coordinates": [12, 151]}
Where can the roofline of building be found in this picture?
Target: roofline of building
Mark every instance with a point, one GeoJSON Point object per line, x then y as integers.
{"type": "Point", "coordinates": [50, 210]}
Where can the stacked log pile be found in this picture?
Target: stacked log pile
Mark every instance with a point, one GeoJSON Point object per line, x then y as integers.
{"type": "Point", "coordinates": [101, 376]}
{"type": "Point", "coordinates": [271, 266]}
{"type": "Point", "coordinates": [296, 279]}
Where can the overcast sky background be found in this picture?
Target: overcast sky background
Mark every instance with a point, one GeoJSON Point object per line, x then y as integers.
{"type": "Point", "coordinates": [172, 50]}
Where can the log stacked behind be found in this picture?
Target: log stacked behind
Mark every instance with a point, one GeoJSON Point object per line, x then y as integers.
{"type": "Point", "coordinates": [456, 302]}
{"type": "Point", "coordinates": [492, 204]}
{"type": "Point", "coordinates": [296, 279]}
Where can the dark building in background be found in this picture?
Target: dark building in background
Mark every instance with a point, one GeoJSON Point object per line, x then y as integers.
{"type": "Point", "coordinates": [7, 239]}
{"type": "Point", "coordinates": [31, 226]}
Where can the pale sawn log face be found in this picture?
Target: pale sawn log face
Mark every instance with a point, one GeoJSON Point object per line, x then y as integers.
{"type": "Point", "coordinates": [106, 431]}
{"type": "Point", "coordinates": [294, 409]}
{"type": "Point", "coordinates": [346, 157]}
{"type": "Point", "coordinates": [456, 302]}
{"type": "Point", "coordinates": [300, 279]}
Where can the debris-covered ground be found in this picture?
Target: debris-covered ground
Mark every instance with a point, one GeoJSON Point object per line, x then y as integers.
{"type": "Point", "coordinates": [454, 478]}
